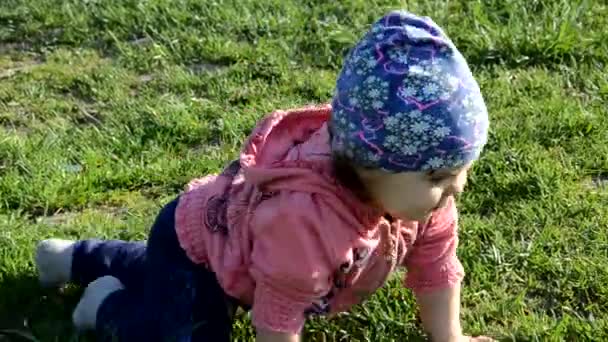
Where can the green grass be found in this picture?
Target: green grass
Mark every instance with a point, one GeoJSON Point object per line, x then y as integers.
{"type": "Point", "coordinates": [107, 108]}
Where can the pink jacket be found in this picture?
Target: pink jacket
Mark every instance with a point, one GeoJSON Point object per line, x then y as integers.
{"type": "Point", "coordinates": [283, 236]}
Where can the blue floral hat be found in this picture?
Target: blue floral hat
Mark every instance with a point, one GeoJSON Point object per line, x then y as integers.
{"type": "Point", "coordinates": [406, 100]}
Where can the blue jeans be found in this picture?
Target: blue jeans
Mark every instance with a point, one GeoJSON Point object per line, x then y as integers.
{"type": "Point", "coordinates": [166, 297]}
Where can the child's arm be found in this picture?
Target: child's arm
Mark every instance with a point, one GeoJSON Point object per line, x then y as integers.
{"type": "Point", "coordinates": [434, 273]}
{"type": "Point", "coordinates": [440, 313]}
{"type": "Point", "coordinates": [290, 264]}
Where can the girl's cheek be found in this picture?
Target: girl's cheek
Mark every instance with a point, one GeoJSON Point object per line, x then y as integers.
{"type": "Point", "coordinates": [437, 196]}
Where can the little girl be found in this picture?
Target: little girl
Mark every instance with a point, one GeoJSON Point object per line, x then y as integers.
{"type": "Point", "coordinates": [322, 205]}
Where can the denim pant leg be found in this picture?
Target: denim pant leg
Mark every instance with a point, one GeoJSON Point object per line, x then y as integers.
{"type": "Point", "coordinates": [174, 300]}
{"type": "Point", "coordinates": [95, 258]}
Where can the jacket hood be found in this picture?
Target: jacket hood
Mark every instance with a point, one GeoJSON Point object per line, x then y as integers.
{"type": "Point", "coordinates": [290, 150]}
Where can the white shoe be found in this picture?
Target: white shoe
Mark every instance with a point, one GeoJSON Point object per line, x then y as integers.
{"type": "Point", "coordinates": [85, 314]}
{"type": "Point", "coordinates": [54, 261]}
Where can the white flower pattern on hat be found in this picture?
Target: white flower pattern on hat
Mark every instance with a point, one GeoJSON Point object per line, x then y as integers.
{"type": "Point", "coordinates": [406, 99]}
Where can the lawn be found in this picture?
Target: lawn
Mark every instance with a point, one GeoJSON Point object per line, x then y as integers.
{"type": "Point", "coordinates": [108, 107]}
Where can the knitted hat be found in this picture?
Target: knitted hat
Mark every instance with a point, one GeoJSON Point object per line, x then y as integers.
{"type": "Point", "coordinates": [406, 100]}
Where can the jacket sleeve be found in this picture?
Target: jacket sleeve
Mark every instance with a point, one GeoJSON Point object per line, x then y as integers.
{"type": "Point", "coordinates": [433, 263]}
{"type": "Point", "coordinates": [291, 268]}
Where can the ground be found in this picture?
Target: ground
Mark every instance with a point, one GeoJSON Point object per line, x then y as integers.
{"type": "Point", "coordinates": [107, 108]}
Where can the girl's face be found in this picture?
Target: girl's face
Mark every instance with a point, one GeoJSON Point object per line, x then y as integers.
{"type": "Point", "coordinates": [414, 195]}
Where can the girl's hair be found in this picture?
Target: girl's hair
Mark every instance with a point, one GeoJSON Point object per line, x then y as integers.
{"type": "Point", "coordinates": [346, 174]}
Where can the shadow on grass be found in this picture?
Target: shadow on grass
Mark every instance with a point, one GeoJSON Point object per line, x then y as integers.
{"type": "Point", "coordinates": [29, 312]}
